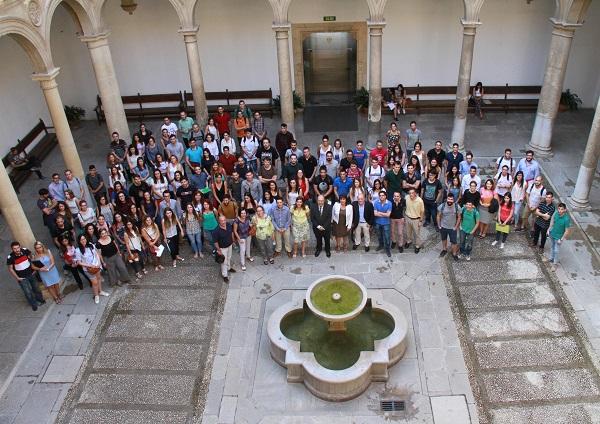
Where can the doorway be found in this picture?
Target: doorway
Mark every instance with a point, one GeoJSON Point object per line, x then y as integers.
{"type": "Point", "coordinates": [329, 61]}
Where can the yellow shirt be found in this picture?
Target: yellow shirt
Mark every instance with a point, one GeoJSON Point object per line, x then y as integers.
{"type": "Point", "coordinates": [414, 208]}
{"type": "Point", "coordinates": [264, 227]}
{"type": "Point", "coordinates": [299, 215]}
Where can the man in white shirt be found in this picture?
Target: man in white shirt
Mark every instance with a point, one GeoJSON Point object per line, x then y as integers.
{"type": "Point", "coordinates": [249, 145]}
{"type": "Point", "coordinates": [331, 164]}
{"type": "Point", "coordinates": [171, 127]}
{"type": "Point", "coordinates": [471, 176]}
{"type": "Point", "coordinates": [503, 181]}
{"type": "Point", "coordinates": [372, 173]}
{"type": "Point", "coordinates": [508, 161]}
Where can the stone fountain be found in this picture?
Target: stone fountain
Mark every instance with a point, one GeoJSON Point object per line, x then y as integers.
{"type": "Point", "coordinates": [337, 340]}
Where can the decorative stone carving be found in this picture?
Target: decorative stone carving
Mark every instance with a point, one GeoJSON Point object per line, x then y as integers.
{"type": "Point", "coordinates": [376, 8]}
{"type": "Point", "coordinates": [280, 11]}
{"type": "Point", "coordinates": [570, 12]}
{"type": "Point", "coordinates": [34, 12]}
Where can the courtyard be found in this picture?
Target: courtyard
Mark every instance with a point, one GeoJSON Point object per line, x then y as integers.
{"type": "Point", "coordinates": [499, 339]}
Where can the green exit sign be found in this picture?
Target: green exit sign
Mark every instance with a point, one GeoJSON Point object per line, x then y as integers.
{"type": "Point", "coordinates": [329, 18]}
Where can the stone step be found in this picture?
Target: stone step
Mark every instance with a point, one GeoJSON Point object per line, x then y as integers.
{"type": "Point", "coordinates": [515, 246]}
{"type": "Point", "coordinates": [139, 389]}
{"type": "Point", "coordinates": [149, 356]}
{"type": "Point", "coordinates": [502, 295]}
{"type": "Point", "coordinates": [496, 270]}
{"type": "Point", "coordinates": [184, 300]}
{"type": "Point", "coordinates": [128, 416]}
{"type": "Point", "coordinates": [189, 327]}
{"type": "Point", "coordinates": [524, 322]}
{"type": "Point", "coordinates": [551, 385]}
{"type": "Point", "coordinates": [547, 351]}
{"type": "Point", "coordinates": [577, 413]}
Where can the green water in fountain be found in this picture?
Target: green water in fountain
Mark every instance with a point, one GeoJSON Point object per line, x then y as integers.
{"type": "Point", "coordinates": [337, 350]}
{"type": "Point", "coordinates": [321, 296]}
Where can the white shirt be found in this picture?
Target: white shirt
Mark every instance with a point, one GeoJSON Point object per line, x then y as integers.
{"type": "Point", "coordinates": [213, 148]}
{"type": "Point", "coordinates": [251, 145]}
{"type": "Point", "coordinates": [466, 181]}
{"type": "Point", "coordinates": [230, 144]}
{"type": "Point", "coordinates": [503, 183]}
{"type": "Point", "coordinates": [171, 128]}
{"type": "Point", "coordinates": [373, 173]}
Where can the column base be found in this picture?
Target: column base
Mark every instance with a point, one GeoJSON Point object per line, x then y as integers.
{"type": "Point", "coordinates": [544, 152]}
{"type": "Point", "coordinates": [579, 205]}
{"type": "Point", "coordinates": [374, 133]}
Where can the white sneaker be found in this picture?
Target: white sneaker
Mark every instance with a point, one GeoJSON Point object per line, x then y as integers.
{"type": "Point", "coordinates": [494, 243]}
{"type": "Point", "coordinates": [468, 258]}
{"type": "Point", "coordinates": [501, 245]}
{"type": "Point", "coordinates": [103, 293]}
{"type": "Point", "coordinates": [96, 299]}
{"type": "Point", "coordinates": [243, 267]}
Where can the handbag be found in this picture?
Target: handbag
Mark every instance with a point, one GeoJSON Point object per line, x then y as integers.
{"type": "Point", "coordinates": [219, 258]}
{"type": "Point", "coordinates": [92, 270]}
{"type": "Point", "coordinates": [494, 206]}
{"type": "Point", "coordinates": [252, 231]}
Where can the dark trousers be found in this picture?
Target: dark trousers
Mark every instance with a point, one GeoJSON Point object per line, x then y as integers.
{"type": "Point", "coordinates": [173, 245]}
{"type": "Point", "coordinates": [537, 232]}
{"type": "Point", "coordinates": [430, 211]}
{"type": "Point", "coordinates": [31, 290]}
{"type": "Point", "coordinates": [76, 271]}
{"type": "Point", "coordinates": [321, 235]}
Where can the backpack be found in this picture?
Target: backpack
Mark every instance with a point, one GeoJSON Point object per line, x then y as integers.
{"type": "Point", "coordinates": [499, 162]}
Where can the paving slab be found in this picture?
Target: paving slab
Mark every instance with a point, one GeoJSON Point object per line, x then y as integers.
{"type": "Point", "coordinates": [77, 325]}
{"type": "Point", "coordinates": [159, 326]}
{"type": "Point", "coordinates": [578, 413]}
{"type": "Point", "coordinates": [525, 322]}
{"type": "Point", "coordinates": [62, 369]}
{"type": "Point", "coordinates": [164, 300]}
{"type": "Point", "coordinates": [541, 385]}
{"type": "Point", "coordinates": [127, 416]}
{"type": "Point", "coordinates": [115, 389]}
{"type": "Point", "coordinates": [497, 270]}
{"type": "Point", "coordinates": [450, 410]}
{"type": "Point", "coordinates": [503, 295]}
{"type": "Point", "coordinates": [149, 356]}
{"type": "Point", "coordinates": [553, 351]}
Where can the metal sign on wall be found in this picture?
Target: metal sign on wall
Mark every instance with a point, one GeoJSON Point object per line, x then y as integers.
{"type": "Point", "coordinates": [328, 18]}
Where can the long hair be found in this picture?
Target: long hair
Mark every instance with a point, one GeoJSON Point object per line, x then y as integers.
{"type": "Point", "coordinates": [507, 194]}
{"type": "Point", "coordinates": [169, 222]}
{"type": "Point", "coordinates": [516, 181]}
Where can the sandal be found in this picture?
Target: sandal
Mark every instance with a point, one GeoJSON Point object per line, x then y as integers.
{"type": "Point", "coordinates": [250, 258]}
{"type": "Point", "coordinates": [266, 262]}
{"type": "Point", "coordinates": [271, 261]}
{"type": "Point", "coordinates": [156, 268]}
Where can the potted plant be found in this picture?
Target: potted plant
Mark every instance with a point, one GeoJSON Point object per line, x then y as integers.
{"type": "Point", "coordinates": [361, 99]}
{"type": "Point", "coordinates": [298, 104]}
{"type": "Point", "coordinates": [74, 115]}
{"type": "Point", "coordinates": [569, 101]}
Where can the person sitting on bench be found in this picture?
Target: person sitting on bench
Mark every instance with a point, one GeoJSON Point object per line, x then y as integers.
{"type": "Point", "coordinates": [25, 162]}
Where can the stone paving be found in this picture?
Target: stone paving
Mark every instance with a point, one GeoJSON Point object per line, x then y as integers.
{"type": "Point", "coordinates": [152, 352]}
{"type": "Point", "coordinates": [526, 350]}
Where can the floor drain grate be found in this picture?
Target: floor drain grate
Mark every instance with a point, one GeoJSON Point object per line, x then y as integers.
{"type": "Point", "coordinates": [392, 405]}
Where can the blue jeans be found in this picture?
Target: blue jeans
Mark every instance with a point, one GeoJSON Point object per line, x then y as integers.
{"type": "Point", "coordinates": [383, 232]}
{"type": "Point", "coordinates": [252, 165]}
{"type": "Point", "coordinates": [554, 250]}
{"type": "Point", "coordinates": [430, 212]}
{"type": "Point", "coordinates": [195, 242]}
{"type": "Point", "coordinates": [30, 288]}
{"type": "Point", "coordinates": [466, 243]}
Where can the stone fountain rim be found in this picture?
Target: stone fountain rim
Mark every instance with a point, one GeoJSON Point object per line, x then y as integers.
{"type": "Point", "coordinates": [331, 317]}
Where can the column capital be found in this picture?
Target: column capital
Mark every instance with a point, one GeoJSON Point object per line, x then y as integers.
{"type": "Point", "coordinates": [563, 29]}
{"type": "Point", "coordinates": [95, 40]}
{"type": "Point", "coordinates": [190, 34]}
{"type": "Point", "coordinates": [469, 24]}
{"type": "Point", "coordinates": [282, 27]}
{"type": "Point", "coordinates": [47, 80]}
{"type": "Point", "coordinates": [376, 25]}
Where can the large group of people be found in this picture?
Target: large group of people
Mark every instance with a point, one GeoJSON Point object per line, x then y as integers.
{"type": "Point", "coordinates": [240, 191]}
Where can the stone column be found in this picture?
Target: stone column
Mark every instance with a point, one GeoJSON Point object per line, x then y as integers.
{"type": "Point", "coordinates": [108, 86]}
{"type": "Point", "coordinates": [190, 37]}
{"type": "Point", "coordinates": [556, 67]}
{"type": "Point", "coordinates": [375, 41]}
{"type": "Point", "coordinates": [464, 83]}
{"type": "Point", "coordinates": [282, 35]}
{"type": "Point", "coordinates": [57, 113]}
{"type": "Point", "coordinates": [13, 212]}
{"type": "Point", "coordinates": [581, 195]}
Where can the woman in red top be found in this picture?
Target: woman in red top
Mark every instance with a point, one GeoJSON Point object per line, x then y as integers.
{"type": "Point", "coordinates": [303, 184]}
{"type": "Point", "coordinates": [506, 211]}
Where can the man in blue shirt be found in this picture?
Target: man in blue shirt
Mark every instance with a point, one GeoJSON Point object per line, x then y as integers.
{"type": "Point", "coordinates": [454, 157]}
{"type": "Point", "coordinates": [529, 166]}
{"type": "Point", "coordinates": [342, 184]}
{"type": "Point", "coordinates": [282, 219]}
{"type": "Point", "coordinates": [193, 155]}
{"type": "Point", "coordinates": [465, 165]}
{"type": "Point", "coordinates": [383, 209]}
{"type": "Point", "coordinates": [360, 154]}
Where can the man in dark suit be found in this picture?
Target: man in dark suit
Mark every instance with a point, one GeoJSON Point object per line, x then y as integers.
{"type": "Point", "coordinates": [362, 220]}
{"type": "Point", "coordinates": [320, 216]}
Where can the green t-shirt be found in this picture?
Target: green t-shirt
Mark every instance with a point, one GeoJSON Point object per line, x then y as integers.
{"type": "Point", "coordinates": [394, 182]}
{"type": "Point", "coordinates": [185, 126]}
{"type": "Point", "coordinates": [469, 219]}
{"type": "Point", "coordinates": [560, 225]}
{"type": "Point", "coordinates": [210, 221]}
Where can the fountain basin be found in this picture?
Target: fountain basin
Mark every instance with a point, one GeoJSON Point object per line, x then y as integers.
{"type": "Point", "coordinates": [337, 384]}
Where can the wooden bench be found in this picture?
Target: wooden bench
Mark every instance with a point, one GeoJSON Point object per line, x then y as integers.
{"type": "Point", "coordinates": [230, 99]}
{"type": "Point", "coordinates": [144, 106]}
{"type": "Point", "coordinates": [503, 98]}
{"type": "Point", "coordinates": [47, 141]}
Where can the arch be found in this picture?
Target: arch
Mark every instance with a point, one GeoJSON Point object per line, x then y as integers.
{"type": "Point", "coordinates": [84, 16]}
{"type": "Point", "coordinates": [30, 40]}
{"type": "Point", "coordinates": [185, 11]}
